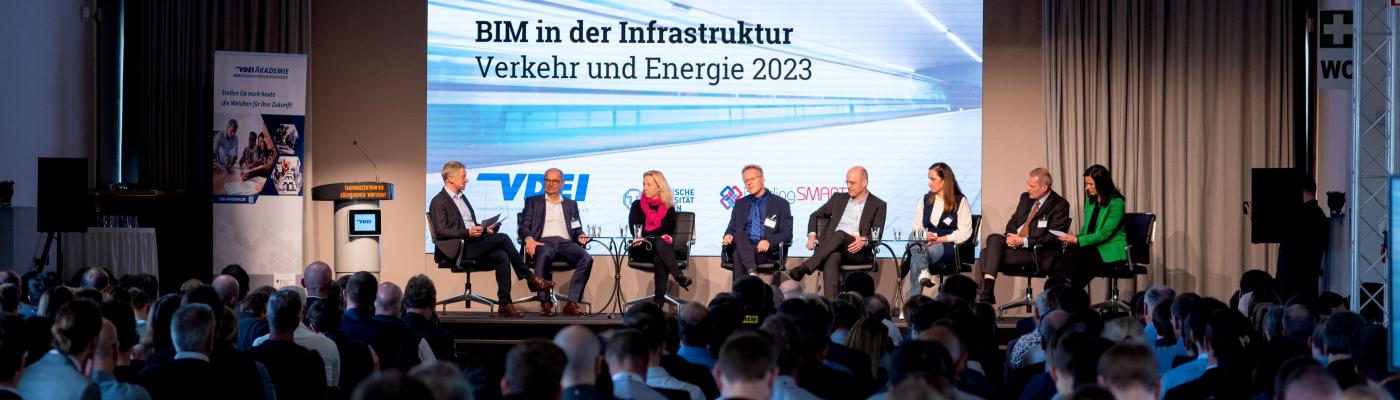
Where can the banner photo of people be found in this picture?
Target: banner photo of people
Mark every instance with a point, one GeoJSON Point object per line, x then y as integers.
{"type": "Point", "coordinates": [605, 91]}
{"type": "Point", "coordinates": [257, 159]}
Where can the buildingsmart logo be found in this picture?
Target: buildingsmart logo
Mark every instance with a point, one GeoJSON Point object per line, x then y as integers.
{"type": "Point", "coordinates": [729, 195]}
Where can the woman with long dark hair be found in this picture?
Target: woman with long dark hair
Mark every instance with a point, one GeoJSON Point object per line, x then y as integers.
{"type": "Point", "coordinates": [1101, 239]}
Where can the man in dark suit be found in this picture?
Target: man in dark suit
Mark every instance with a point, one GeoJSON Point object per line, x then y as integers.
{"type": "Point", "coordinates": [551, 230]}
{"type": "Point", "coordinates": [758, 225]}
{"type": "Point", "coordinates": [381, 332]}
{"type": "Point", "coordinates": [851, 216]}
{"type": "Point", "coordinates": [356, 361]}
{"type": "Point", "coordinates": [1027, 239]}
{"type": "Point", "coordinates": [457, 234]}
{"type": "Point", "coordinates": [296, 372]}
{"type": "Point", "coordinates": [190, 372]}
{"type": "Point", "coordinates": [420, 322]}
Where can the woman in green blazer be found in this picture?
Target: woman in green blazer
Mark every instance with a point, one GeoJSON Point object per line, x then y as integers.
{"type": "Point", "coordinates": [1101, 240]}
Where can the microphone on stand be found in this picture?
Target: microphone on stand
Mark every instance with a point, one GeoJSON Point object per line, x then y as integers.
{"type": "Point", "coordinates": [371, 161]}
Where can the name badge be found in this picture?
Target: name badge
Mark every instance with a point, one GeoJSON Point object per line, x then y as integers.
{"type": "Point", "coordinates": [771, 222]}
{"type": "Point", "coordinates": [948, 221]}
{"type": "Point", "coordinates": [1042, 224]}
{"type": "Point", "coordinates": [575, 224]}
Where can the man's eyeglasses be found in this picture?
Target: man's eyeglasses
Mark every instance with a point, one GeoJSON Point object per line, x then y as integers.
{"type": "Point", "coordinates": [554, 181]}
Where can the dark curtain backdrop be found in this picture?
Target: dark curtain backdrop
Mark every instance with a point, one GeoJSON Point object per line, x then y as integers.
{"type": "Point", "coordinates": [167, 114]}
{"type": "Point", "coordinates": [1179, 99]}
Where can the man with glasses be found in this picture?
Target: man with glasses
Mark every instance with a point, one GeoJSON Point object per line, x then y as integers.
{"type": "Point", "coordinates": [758, 225]}
{"type": "Point", "coordinates": [552, 231]}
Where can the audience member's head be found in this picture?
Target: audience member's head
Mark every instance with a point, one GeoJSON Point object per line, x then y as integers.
{"type": "Point", "coordinates": [627, 351]}
{"type": "Point", "coordinates": [317, 279]}
{"type": "Point", "coordinates": [961, 287]}
{"type": "Point", "coordinates": [787, 340]}
{"type": "Point", "coordinates": [1309, 382]}
{"type": "Point", "coordinates": [1230, 338]}
{"type": "Point", "coordinates": [582, 354]}
{"type": "Point", "coordinates": [1337, 332]}
{"type": "Point", "coordinates": [845, 311]}
{"type": "Point", "coordinates": [1181, 307]}
{"type": "Point", "coordinates": [746, 367]}
{"type": "Point", "coordinates": [9, 298]}
{"type": "Point", "coordinates": [921, 359]}
{"type": "Point", "coordinates": [39, 285]}
{"type": "Point", "coordinates": [389, 300]}
{"type": "Point", "coordinates": [140, 302]}
{"type": "Point", "coordinates": [157, 336]}
{"type": "Point", "coordinates": [1298, 323]}
{"type": "Point", "coordinates": [1328, 303]}
{"type": "Point", "coordinates": [648, 319]}
{"type": "Point", "coordinates": [1272, 325]}
{"type": "Point", "coordinates": [123, 322]}
{"type": "Point", "coordinates": [54, 300]}
{"type": "Point", "coordinates": [1126, 329]}
{"type": "Point", "coordinates": [1073, 300]}
{"type": "Point", "coordinates": [1075, 361]}
{"type": "Point", "coordinates": [813, 318]}
{"type": "Point", "coordinates": [534, 369]}
{"type": "Point", "coordinates": [75, 328]}
{"type": "Point", "coordinates": [691, 321]}
{"type": "Point", "coordinates": [205, 294]}
{"type": "Point", "coordinates": [754, 298]}
{"type": "Point", "coordinates": [926, 314]}
{"type": "Point", "coordinates": [361, 290]}
{"type": "Point", "coordinates": [226, 286]}
{"type": "Point", "coordinates": [1050, 326]}
{"type": "Point", "coordinates": [861, 283]}
{"type": "Point", "coordinates": [420, 293]}
{"type": "Point", "coordinates": [1157, 294]}
{"type": "Point", "coordinates": [1195, 327]}
{"type": "Point", "coordinates": [94, 278]}
{"type": "Point", "coordinates": [190, 284]}
{"type": "Point", "coordinates": [1371, 353]}
{"type": "Point", "coordinates": [1137, 308]}
{"type": "Point", "coordinates": [255, 302]}
{"type": "Point", "coordinates": [1254, 279]}
{"type": "Point", "coordinates": [870, 336]}
{"type": "Point", "coordinates": [241, 276]}
{"type": "Point", "coordinates": [444, 380]}
{"type": "Point", "coordinates": [192, 329]}
{"type": "Point", "coordinates": [391, 384]}
{"type": "Point", "coordinates": [1130, 371]}
{"type": "Point", "coordinates": [877, 307]}
{"type": "Point", "coordinates": [283, 311]}
{"type": "Point", "coordinates": [322, 315]}
{"type": "Point", "coordinates": [1162, 321]}
{"type": "Point", "coordinates": [88, 294]}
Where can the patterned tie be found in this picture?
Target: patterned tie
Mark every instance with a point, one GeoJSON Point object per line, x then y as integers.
{"type": "Point", "coordinates": [1026, 228]}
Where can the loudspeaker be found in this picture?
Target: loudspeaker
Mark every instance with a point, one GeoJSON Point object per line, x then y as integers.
{"type": "Point", "coordinates": [1276, 195]}
{"type": "Point", "coordinates": [65, 204]}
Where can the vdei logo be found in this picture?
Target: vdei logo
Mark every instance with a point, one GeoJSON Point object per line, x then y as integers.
{"type": "Point", "coordinates": [575, 185]}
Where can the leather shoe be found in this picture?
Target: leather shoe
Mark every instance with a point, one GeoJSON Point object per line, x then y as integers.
{"type": "Point", "coordinates": [797, 273]}
{"type": "Point", "coordinates": [571, 310]}
{"type": "Point", "coordinates": [508, 311]}
{"type": "Point", "coordinates": [546, 309]}
{"type": "Point", "coordinates": [926, 282]}
{"type": "Point", "coordinates": [684, 282]}
{"type": "Point", "coordinates": [536, 283]}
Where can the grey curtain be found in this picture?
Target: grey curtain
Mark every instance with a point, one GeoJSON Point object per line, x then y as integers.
{"type": "Point", "coordinates": [167, 102]}
{"type": "Point", "coordinates": [1179, 99]}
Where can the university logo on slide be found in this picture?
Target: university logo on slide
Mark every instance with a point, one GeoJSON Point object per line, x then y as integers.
{"type": "Point", "coordinates": [728, 195]}
{"type": "Point", "coordinates": [630, 196]}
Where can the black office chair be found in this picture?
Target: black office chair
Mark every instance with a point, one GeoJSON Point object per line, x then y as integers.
{"type": "Point", "coordinates": [871, 250]}
{"type": "Point", "coordinates": [771, 267]}
{"type": "Point", "coordinates": [555, 266]}
{"type": "Point", "coordinates": [1030, 271]}
{"type": "Point", "coordinates": [964, 255]}
{"type": "Point", "coordinates": [682, 240]}
{"type": "Point", "coordinates": [463, 266]}
{"type": "Point", "coordinates": [1140, 228]}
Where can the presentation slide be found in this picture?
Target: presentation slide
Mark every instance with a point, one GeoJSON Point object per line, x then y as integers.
{"type": "Point", "coordinates": [607, 90]}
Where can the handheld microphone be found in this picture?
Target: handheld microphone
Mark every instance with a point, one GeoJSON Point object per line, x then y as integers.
{"type": "Point", "coordinates": [371, 161]}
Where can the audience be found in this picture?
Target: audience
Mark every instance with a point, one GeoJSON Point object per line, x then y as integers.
{"type": "Point", "coordinates": [117, 339]}
{"type": "Point", "coordinates": [296, 372]}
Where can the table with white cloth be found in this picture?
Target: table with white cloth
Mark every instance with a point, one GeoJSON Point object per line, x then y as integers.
{"type": "Point", "coordinates": [124, 251]}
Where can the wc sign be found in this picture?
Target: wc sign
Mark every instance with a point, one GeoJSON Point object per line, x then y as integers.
{"type": "Point", "coordinates": [1335, 42]}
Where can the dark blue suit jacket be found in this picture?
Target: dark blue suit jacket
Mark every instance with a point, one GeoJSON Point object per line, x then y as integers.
{"type": "Point", "coordinates": [532, 218]}
{"type": "Point", "coordinates": [775, 207]}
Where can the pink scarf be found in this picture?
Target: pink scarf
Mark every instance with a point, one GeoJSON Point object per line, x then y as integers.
{"type": "Point", "coordinates": [655, 210]}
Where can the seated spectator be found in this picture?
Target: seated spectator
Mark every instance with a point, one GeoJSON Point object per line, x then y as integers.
{"type": "Point", "coordinates": [296, 372]}
{"type": "Point", "coordinates": [1310, 382]}
{"type": "Point", "coordinates": [1336, 335]}
{"type": "Point", "coordinates": [156, 345]}
{"type": "Point", "coordinates": [356, 357]}
{"type": "Point", "coordinates": [627, 356]}
{"type": "Point", "coordinates": [1075, 361]}
{"type": "Point", "coordinates": [920, 365]}
{"type": "Point", "coordinates": [871, 337]}
{"type": "Point", "coordinates": [421, 322]}
{"type": "Point", "coordinates": [1194, 331]}
{"type": "Point", "coordinates": [11, 368]}
{"type": "Point", "coordinates": [190, 372]}
{"type": "Point", "coordinates": [788, 342]}
{"type": "Point", "coordinates": [252, 317]}
{"type": "Point", "coordinates": [694, 332]}
{"type": "Point", "coordinates": [1034, 381]}
{"type": "Point", "coordinates": [1372, 359]}
{"type": "Point", "coordinates": [1181, 306]}
{"type": "Point", "coordinates": [228, 290]}
{"type": "Point", "coordinates": [1165, 344]}
{"type": "Point", "coordinates": [305, 337]}
{"type": "Point", "coordinates": [240, 276]}
{"type": "Point", "coordinates": [391, 384]}
{"type": "Point", "coordinates": [1230, 346]}
{"type": "Point", "coordinates": [747, 367]}
{"type": "Point", "coordinates": [1129, 371]}
{"type": "Point", "coordinates": [445, 380]}
{"type": "Point", "coordinates": [820, 375]}
{"type": "Point", "coordinates": [388, 311]}
{"type": "Point", "coordinates": [1329, 303]}
{"type": "Point", "coordinates": [141, 306]}
{"type": "Point", "coordinates": [878, 308]}
{"type": "Point", "coordinates": [583, 360]}
{"type": "Point", "coordinates": [79, 339]}
{"type": "Point", "coordinates": [648, 319]}
{"type": "Point", "coordinates": [359, 323]}
{"type": "Point", "coordinates": [534, 369]}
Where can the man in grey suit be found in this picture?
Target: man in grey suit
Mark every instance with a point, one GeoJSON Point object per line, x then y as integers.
{"type": "Point", "coordinates": [551, 230]}
{"type": "Point", "coordinates": [851, 217]}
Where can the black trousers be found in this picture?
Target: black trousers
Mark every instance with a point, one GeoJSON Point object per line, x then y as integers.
{"type": "Point", "coordinates": [498, 251]}
{"type": "Point", "coordinates": [746, 257]}
{"type": "Point", "coordinates": [996, 254]}
{"type": "Point", "coordinates": [1079, 264]}
{"type": "Point", "coordinates": [830, 254]}
{"type": "Point", "coordinates": [662, 257]}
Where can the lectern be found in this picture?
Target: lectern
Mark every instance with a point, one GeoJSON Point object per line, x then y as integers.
{"type": "Point", "coordinates": [358, 223]}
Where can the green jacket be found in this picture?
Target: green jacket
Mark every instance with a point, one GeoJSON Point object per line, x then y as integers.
{"type": "Point", "coordinates": [1109, 236]}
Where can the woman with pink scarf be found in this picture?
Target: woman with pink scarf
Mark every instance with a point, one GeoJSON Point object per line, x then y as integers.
{"type": "Point", "coordinates": [655, 213]}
